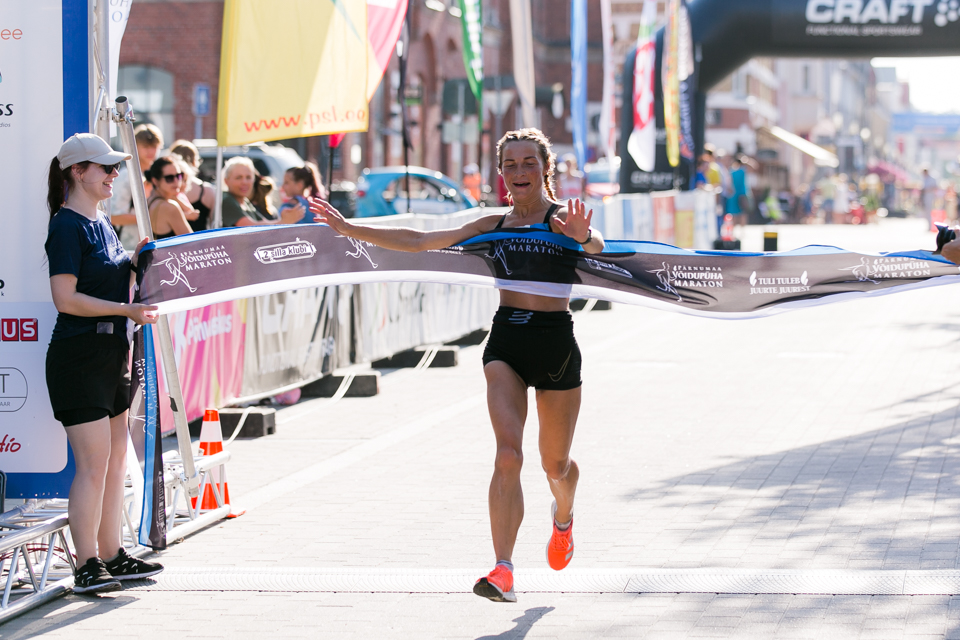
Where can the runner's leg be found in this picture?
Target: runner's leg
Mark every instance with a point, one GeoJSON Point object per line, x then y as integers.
{"type": "Point", "coordinates": [507, 403]}
{"type": "Point", "coordinates": [558, 411]}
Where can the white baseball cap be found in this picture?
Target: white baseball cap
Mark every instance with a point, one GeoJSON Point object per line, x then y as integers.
{"type": "Point", "coordinates": [87, 147]}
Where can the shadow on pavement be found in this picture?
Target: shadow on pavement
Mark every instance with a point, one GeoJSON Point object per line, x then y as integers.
{"type": "Point", "coordinates": [61, 613]}
{"type": "Point", "coordinates": [524, 623]}
{"type": "Point", "coordinates": [884, 499]}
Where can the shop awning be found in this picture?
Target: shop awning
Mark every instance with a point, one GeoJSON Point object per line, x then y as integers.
{"type": "Point", "coordinates": [820, 155]}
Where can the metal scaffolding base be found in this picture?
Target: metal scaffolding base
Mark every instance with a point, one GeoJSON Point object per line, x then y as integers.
{"type": "Point", "coordinates": [37, 560]}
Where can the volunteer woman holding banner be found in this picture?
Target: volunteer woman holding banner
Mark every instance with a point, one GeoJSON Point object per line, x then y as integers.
{"type": "Point", "coordinates": [531, 344]}
{"type": "Point", "coordinates": [88, 375]}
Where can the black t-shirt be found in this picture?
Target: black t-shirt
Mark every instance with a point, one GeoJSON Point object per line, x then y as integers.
{"type": "Point", "coordinates": [89, 250]}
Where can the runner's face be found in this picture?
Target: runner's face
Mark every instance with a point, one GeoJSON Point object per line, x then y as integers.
{"type": "Point", "coordinates": [523, 170]}
{"type": "Point", "coordinates": [240, 181]}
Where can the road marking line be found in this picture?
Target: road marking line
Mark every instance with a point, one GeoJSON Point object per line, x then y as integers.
{"type": "Point", "coordinates": [626, 580]}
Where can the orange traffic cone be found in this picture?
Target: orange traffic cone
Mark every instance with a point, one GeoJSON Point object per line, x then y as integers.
{"type": "Point", "coordinates": [211, 442]}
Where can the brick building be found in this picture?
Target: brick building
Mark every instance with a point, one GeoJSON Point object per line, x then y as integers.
{"type": "Point", "coordinates": [171, 46]}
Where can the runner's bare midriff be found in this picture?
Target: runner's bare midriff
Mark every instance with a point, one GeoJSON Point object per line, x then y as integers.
{"type": "Point", "coordinates": [532, 302]}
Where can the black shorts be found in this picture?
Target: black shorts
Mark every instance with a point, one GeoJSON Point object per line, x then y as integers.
{"type": "Point", "coordinates": [88, 377]}
{"type": "Point", "coordinates": [538, 345]}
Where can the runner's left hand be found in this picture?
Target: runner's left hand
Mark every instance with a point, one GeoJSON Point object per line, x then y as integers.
{"type": "Point", "coordinates": [577, 224]}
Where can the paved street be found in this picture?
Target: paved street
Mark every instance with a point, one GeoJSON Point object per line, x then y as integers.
{"type": "Point", "coordinates": [815, 447]}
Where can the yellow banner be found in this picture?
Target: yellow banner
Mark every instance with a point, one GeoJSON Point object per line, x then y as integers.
{"type": "Point", "coordinates": [291, 68]}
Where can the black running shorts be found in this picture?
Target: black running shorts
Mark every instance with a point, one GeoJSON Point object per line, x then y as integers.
{"type": "Point", "coordinates": [88, 377]}
{"type": "Point", "coordinates": [538, 345]}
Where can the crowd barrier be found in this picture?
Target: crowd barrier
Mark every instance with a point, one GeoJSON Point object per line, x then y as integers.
{"type": "Point", "coordinates": [240, 351]}
{"type": "Point", "coordinates": [684, 219]}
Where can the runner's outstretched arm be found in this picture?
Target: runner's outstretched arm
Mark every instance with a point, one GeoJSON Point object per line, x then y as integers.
{"type": "Point", "coordinates": [400, 238]}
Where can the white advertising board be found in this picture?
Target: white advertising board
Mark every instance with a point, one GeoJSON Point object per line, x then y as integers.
{"type": "Point", "coordinates": [43, 55]}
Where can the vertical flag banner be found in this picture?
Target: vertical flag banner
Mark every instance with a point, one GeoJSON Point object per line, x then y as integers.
{"type": "Point", "coordinates": [119, 13]}
{"type": "Point", "coordinates": [384, 21]}
{"type": "Point", "coordinates": [278, 63]}
{"type": "Point", "coordinates": [642, 143]}
{"type": "Point", "coordinates": [521, 29]}
{"type": "Point", "coordinates": [608, 108]}
{"type": "Point", "coordinates": [146, 412]}
{"type": "Point", "coordinates": [578, 78]}
{"type": "Point", "coordinates": [670, 81]}
{"type": "Point", "coordinates": [471, 20]}
{"type": "Point", "coordinates": [687, 78]}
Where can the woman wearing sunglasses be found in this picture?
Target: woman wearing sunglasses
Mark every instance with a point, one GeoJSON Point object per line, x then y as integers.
{"type": "Point", "coordinates": [87, 369]}
{"type": "Point", "coordinates": [167, 217]}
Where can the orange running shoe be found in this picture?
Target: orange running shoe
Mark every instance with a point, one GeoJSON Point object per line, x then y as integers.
{"type": "Point", "coordinates": [497, 585]}
{"type": "Point", "coordinates": [560, 547]}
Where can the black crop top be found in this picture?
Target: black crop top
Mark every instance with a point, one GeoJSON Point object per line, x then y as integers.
{"type": "Point", "coordinates": [546, 219]}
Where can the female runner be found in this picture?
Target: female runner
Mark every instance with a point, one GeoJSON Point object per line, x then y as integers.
{"type": "Point", "coordinates": [531, 344]}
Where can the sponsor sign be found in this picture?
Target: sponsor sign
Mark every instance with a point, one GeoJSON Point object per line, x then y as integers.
{"type": "Point", "coordinates": [932, 22]}
{"type": "Point", "coordinates": [45, 39]}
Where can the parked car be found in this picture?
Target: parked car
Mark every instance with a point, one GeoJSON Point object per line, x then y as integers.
{"type": "Point", "coordinates": [271, 160]}
{"type": "Point", "coordinates": [382, 192]}
{"type": "Point", "coordinates": [602, 178]}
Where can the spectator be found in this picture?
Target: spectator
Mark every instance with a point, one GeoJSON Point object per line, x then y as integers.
{"type": "Point", "coordinates": [239, 178]}
{"type": "Point", "coordinates": [299, 185]}
{"type": "Point", "coordinates": [167, 217]}
{"type": "Point", "coordinates": [569, 179]}
{"type": "Point", "coordinates": [738, 205]}
{"type": "Point", "coordinates": [149, 142]}
{"type": "Point", "coordinates": [828, 193]}
{"type": "Point", "coordinates": [471, 181]}
{"type": "Point", "coordinates": [188, 172]}
{"type": "Point", "coordinates": [262, 188]}
{"type": "Point", "coordinates": [929, 196]}
{"type": "Point", "coordinates": [201, 195]}
{"type": "Point", "coordinates": [87, 366]}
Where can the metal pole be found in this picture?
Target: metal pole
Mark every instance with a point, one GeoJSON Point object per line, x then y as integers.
{"type": "Point", "coordinates": [218, 203]}
{"type": "Point", "coordinates": [125, 127]}
{"type": "Point", "coordinates": [124, 118]}
{"type": "Point", "coordinates": [102, 61]}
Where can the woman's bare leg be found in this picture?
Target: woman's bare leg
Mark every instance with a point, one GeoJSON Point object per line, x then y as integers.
{"type": "Point", "coordinates": [558, 411]}
{"type": "Point", "coordinates": [108, 536]}
{"type": "Point", "coordinates": [507, 403]}
{"type": "Point", "coordinates": [90, 442]}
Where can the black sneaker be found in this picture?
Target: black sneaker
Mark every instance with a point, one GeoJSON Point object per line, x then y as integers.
{"type": "Point", "coordinates": [125, 567]}
{"type": "Point", "coordinates": [93, 577]}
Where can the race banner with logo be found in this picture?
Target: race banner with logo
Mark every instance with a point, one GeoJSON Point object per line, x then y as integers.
{"type": "Point", "coordinates": [205, 268]}
{"type": "Point", "coordinates": [145, 414]}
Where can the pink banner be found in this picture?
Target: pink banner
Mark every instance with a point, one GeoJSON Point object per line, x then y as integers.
{"type": "Point", "coordinates": [209, 347]}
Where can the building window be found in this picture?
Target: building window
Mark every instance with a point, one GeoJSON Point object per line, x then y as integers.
{"type": "Point", "coordinates": [714, 117]}
{"type": "Point", "coordinates": [150, 92]}
{"type": "Point", "coordinates": [806, 78]}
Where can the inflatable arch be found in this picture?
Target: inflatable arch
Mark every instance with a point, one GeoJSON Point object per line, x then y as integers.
{"type": "Point", "coordinates": [727, 33]}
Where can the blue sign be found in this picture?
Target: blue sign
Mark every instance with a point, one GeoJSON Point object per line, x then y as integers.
{"type": "Point", "coordinates": [201, 99]}
{"type": "Point", "coordinates": [943, 125]}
